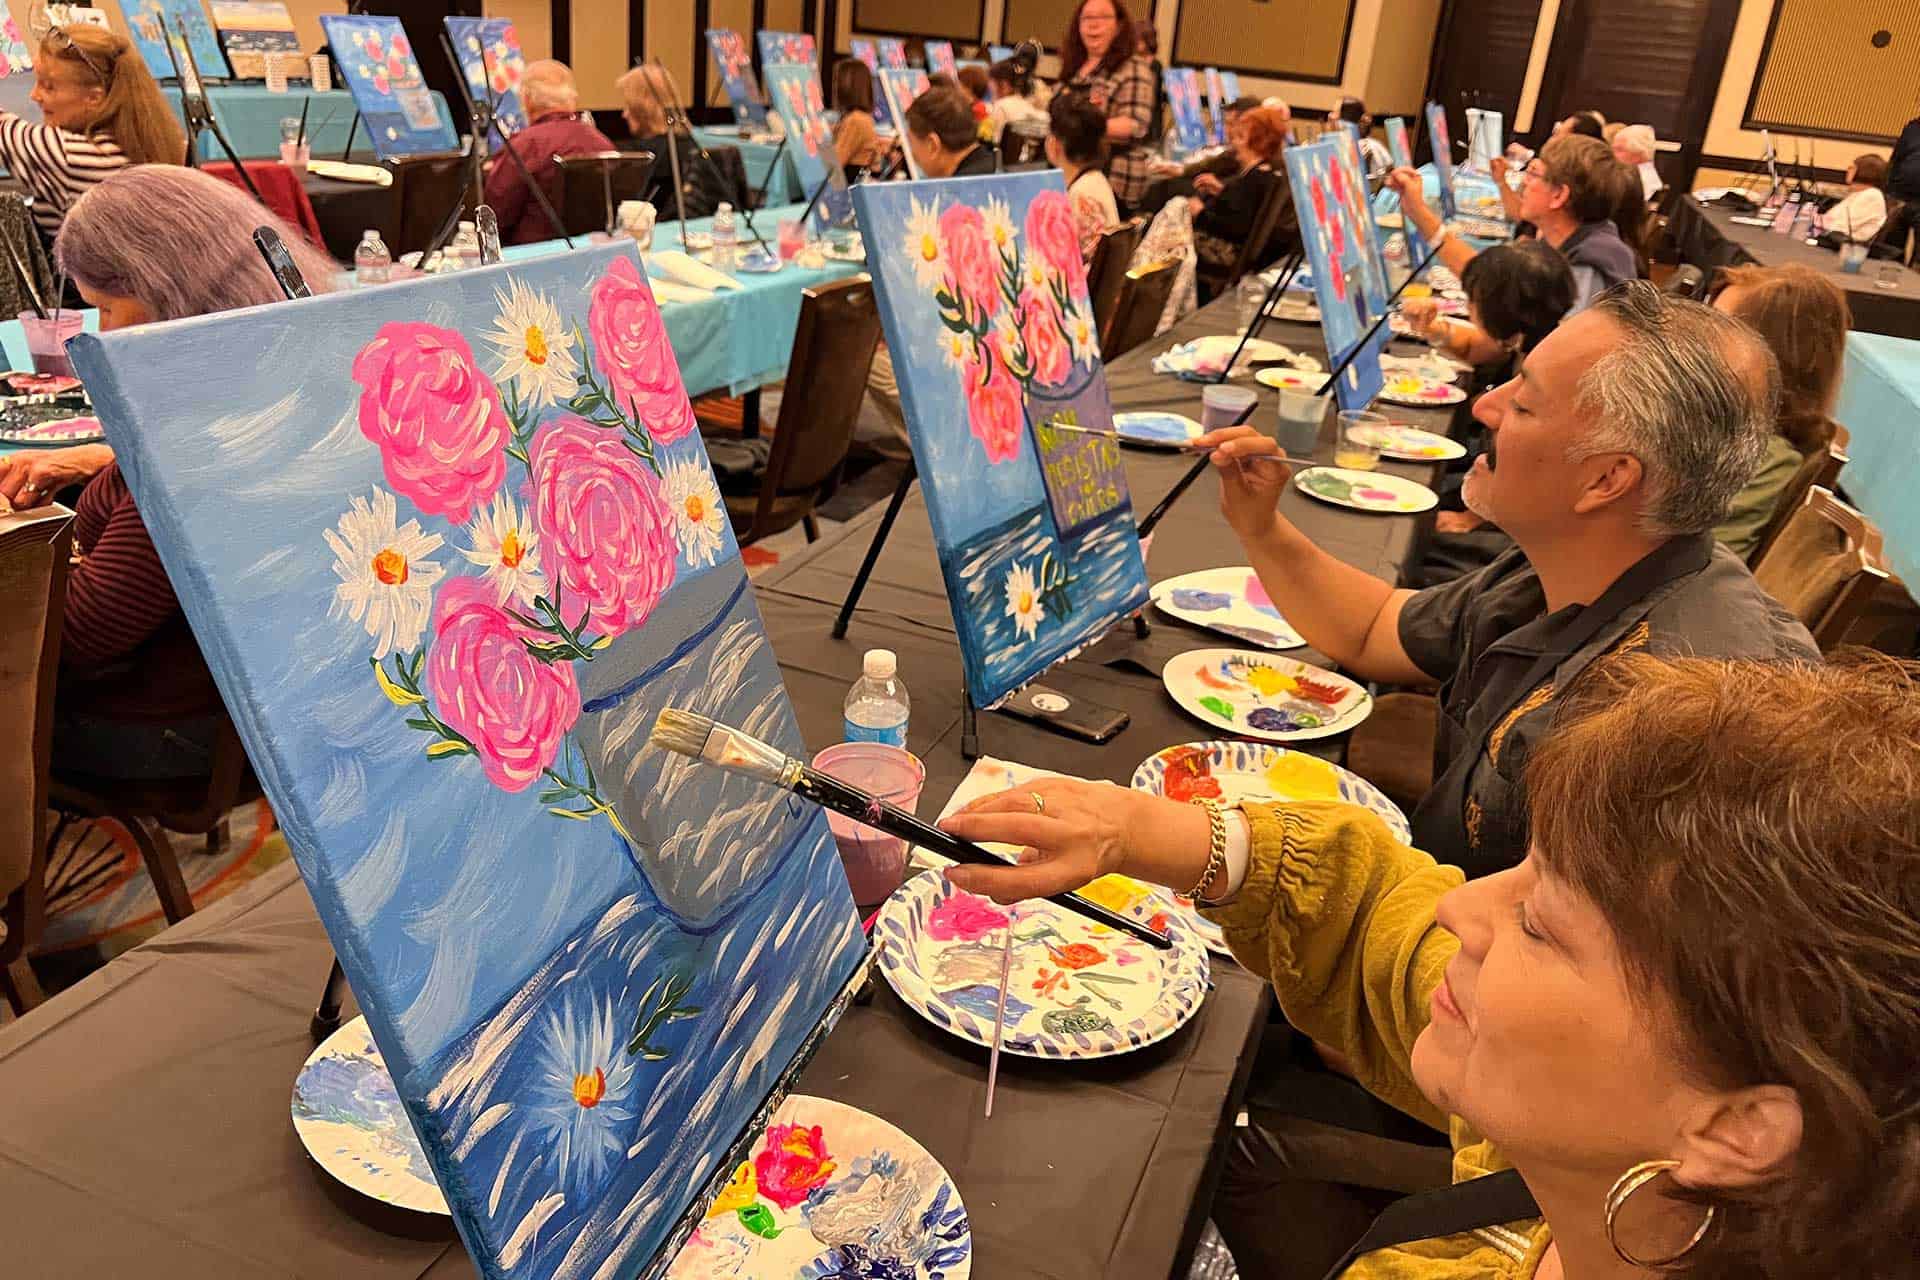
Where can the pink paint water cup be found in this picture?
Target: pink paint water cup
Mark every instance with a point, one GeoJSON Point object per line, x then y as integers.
{"type": "Point", "coordinates": [47, 340]}
{"type": "Point", "coordinates": [876, 862]}
{"type": "Point", "coordinates": [792, 238]}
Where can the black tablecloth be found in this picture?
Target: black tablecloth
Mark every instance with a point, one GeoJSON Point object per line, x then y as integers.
{"type": "Point", "coordinates": [147, 1129]}
{"type": "Point", "coordinates": [1708, 237]}
{"type": "Point", "coordinates": [346, 210]}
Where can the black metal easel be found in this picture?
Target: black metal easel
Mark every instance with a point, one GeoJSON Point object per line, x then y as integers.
{"type": "Point", "coordinates": [195, 110]}
{"type": "Point", "coordinates": [677, 119]}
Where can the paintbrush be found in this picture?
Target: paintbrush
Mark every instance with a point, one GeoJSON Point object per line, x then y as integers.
{"type": "Point", "coordinates": [1165, 504]}
{"type": "Point", "coordinates": [688, 733]}
{"type": "Point", "coordinates": [1184, 446]}
{"type": "Point", "coordinates": [304, 108]}
{"type": "Point", "coordinates": [1000, 1014]}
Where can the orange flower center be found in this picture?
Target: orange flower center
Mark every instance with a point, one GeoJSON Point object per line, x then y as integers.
{"type": "Point", "coordinates": [390, 567]}
{"type": "Point", "coordinates": [511, 550]}
{"type": "Point", "coordinates": [929, 249]}
{"type": "Point", "coordinates": [1025, 603]}
{"type": "Point", "coordinates": [536, 344]}
{"type": "Point", "coordinates": [696, 508]}
{"type": "Point", "coordinates": [590, 1087]}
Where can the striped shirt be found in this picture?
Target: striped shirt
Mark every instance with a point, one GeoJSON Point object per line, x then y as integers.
{"type": "Point", "coordinates": [58, 167]}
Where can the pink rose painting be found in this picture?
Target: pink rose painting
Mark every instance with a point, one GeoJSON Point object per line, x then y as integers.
{"type": "Point", "coordinates": [605, 530]}
{"type": "Point", "coordinates": [1051, 234]}
{"type": "Point", "coordinates": [435, 416]}
{"type": "Point", "coordinates": [380, 81]}
{"type": "Point", "coordinates": [995, 410]}
{"type": "Point", "coordinates": [970, 258]}
{"type": "Point", "coordinates": [1047, 349]}
{"type": "Point", "coordinates": [630, 346]}
{"type": "Point", "coordinates": [511, 707]}
{"type": "Point", "coordinates": [965, 917]}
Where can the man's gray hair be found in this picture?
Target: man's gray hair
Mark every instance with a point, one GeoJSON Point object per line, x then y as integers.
{"type": "Point", "coordinates": [1691, 392]}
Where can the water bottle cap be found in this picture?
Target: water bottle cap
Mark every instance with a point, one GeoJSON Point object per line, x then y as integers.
{"type": "Point", "coordinates": [880, 664]}
{"type": "Point", "coordinates": [724, 208]}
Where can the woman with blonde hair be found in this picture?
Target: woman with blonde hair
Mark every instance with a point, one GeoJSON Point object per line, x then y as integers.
{"type": "Point", "coordinates": [103, 112]}
{"type": "Point", "coordinates": [1804, 317]}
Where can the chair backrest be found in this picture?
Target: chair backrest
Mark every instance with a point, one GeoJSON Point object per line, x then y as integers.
{"type": "Point", "coordinates": [1890, 244]}
{"type": "Point", "coordinates": [1824, 566]}
{"type": "Point", "coordinates": [833, 350]}
{"type": "Point", "coordinates": [1019, 145]}
{"type": "Point", "coordinates": [1254, 249]}
{"type": "Point", "coordinates": [1686, 281]}
{"type": "Point", "coordinates": [593, 185]}
{"type": "Point", "coordinates": [1136, 316]}
{"type": "Point", "coordinates": [34, 551]}
{"type": "Point", "coordinates": [1821, 468]}
{"type": "Point", "coordinates": [428, 187]}
{"type": "Point", "coordinates": [1107, 269]}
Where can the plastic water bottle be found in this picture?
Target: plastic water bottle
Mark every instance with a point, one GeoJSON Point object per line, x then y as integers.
{"type": "Point", "coordinates": [876, 706]}
{"type": "Point", "coordinates": [372, 263]}
{"type": "Point", "coordinates": [725, 237]}
{"type": "Point", "coordinates": [466, 247]}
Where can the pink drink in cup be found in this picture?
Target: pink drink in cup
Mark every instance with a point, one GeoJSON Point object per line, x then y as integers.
{"type": "Point", "coordinates": [47, 340]}
{"type": "Point", "coordinates": [876, 862]}
{"type": "Point", "coordinates": [792, 238]}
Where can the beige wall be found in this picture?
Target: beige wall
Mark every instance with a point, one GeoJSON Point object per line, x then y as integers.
{"type": "Point", "coordinates": [532, 20]}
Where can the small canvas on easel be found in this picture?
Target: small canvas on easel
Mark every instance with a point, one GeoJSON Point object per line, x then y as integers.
{"type": "Point", "coordinates": [785, 49]}
{"type": "Point", "coordinates": [150, 21]}
{"type": "Point", "coordinates": [795, 91]}
{"type": "Point", "coordinates": [1216, 107]}
{"type": "Point", "coordinates": [901, 87]}
{"type": "Point", "coordinates": [1485, 137]}
{"type": "Point", "coordinates": [984, 300]}
{"type": "Point", "coordinates": [940, 57]}
{"type": "Point", "coordinates": [376, 58]}
{"type": "Point", "coordinates": [893, 53]}
{"type": "Point", "coordinates": [449, 547]}
{"type": "Point", "coordinates": [1442, 145]}
{"type": "Point", "coordinates": [1183, 100]}
{"type": "Point", "coordinates": [491, 59]}
{"type": "Point", "coordinates": [1349, 281]}
{"type": "Point", "coordinates": [730, 54]}
{"type": "Point", "coordinates": [869, 55]}
{"type": "Point", "coordinates": [253, 31]}
{"type": "Point", "coordinates": [1402, 152]}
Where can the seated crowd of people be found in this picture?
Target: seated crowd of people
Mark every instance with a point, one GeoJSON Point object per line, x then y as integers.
{"type": "Point", "coordinates": [1659, 922]}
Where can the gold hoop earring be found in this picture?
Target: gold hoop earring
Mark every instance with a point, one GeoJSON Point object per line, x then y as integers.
{"type": "Point", "coordinates": [1622, 1191]}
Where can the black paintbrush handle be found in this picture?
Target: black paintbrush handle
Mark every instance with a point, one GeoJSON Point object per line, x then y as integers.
{"type": "Point", "coordinates": [844, 798]}
{"type": "Point", "coordinates": [1165, 504]}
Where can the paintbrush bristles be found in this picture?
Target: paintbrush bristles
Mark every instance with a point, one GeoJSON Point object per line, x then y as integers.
{"type": "Point", "coordinates": [682, 732]}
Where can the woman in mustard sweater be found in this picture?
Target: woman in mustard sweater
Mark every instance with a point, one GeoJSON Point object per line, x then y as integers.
{"type": "Point", "coordinates": [1689, 1020]}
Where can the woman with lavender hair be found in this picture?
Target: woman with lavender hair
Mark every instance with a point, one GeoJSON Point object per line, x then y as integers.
{"type": "Point", "coordinates": [153, 242]}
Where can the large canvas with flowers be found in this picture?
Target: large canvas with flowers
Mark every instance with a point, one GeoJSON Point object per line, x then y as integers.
{"type": "Point", "coordinates": [1441, 143]}
{"type": "Point", "coordinates": [449, 546]}
{"type": "Point", "coordinates": [1182, 86]}
{"type": "Point", "coordinates": [493, 63]}
{"type": "Point", "coordinates": [785, 48]}
{"type": "Point", "coordinates": [869, 53]}
{"type": "Point", "coordinates": [1349, 276]}
{"type": "Point", "coordinates": [396, 107]}
{"type": "Point", "coordinates": [795, 91]}
{"type": "Point", "coordinates": [730, 55]}
{"type": "Point", "coordinates": [984, 301]}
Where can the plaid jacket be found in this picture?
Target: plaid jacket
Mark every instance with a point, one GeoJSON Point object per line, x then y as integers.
{"type": "Point", "coordinates": [1129, 92]}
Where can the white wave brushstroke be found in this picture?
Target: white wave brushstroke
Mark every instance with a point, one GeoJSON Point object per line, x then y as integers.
{"type": "Point", "coordinates": [371, 883]}
{"type": "Point", "coordinates": [523, 1235]}
{"type": "Point", "coordinates": [345, 794]}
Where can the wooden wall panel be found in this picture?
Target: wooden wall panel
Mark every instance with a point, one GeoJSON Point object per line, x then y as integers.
{"type": "Point", "coordinates": [1839, 70]}
{"type": "Point", "coordinates": [1306, 40]}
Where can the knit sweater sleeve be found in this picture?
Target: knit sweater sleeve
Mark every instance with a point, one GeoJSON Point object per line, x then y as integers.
{"type": "Point", "coordinates": [1339, 916]}
{"type": "Point", "coordinates": [118, 594]}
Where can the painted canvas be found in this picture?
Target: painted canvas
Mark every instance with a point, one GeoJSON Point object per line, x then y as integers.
{"type": "Point", "coordinates": [1216, 107]}
{"type": "Point", "coordinates": [1401, 150]}
{"type": "Point", "coordinates": [398, 111]}
{"type": "Point", "coordinates": [868, 53]}
{"type": "Point", "coordinates": [729, 49]}
{"type": "Point", "coordinates": [1486, 137]}
{"type": "Point", "coordinates": [16, 68]}
{"type": "Point", "coordinates": [984, 301]}
{"type": "Point", "coordinates": [492, 61]}
{"type": "Point", "coordinates": [1442, 143]}
{"type": "Point", "coordinates": [893, 52]}
{"type": "Point", "coordinates": [940, 57]}
{"type": "Point", "coordinates": [1349, 279]}
{"type": "Point", "coordinates": [900, 88]}
{"type": "Point", "coordinates": [251, 31]}
{"type": "Point", "coordinates": [1230, 85]}
{"type": "Point", "coordinates": [785, 48]}
{"type": "Point", "coordinates": [999, 52]}
{"type": "Point", "coordinates": [449, 547]}
{"type": "Point", "coordinates": [1375, 241]}
{"type": "Point", "coordinates": [1183, 100]}
{"type": "Point", "coordinates": [795, 90]}
{"type": "Point", "coordinates": [149, 21]}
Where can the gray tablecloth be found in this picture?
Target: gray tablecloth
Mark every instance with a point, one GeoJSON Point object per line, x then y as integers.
{"type": "Point", "coordinates": [1708, 237]}
{"type": "Point", "coordinates": [147, 1129]}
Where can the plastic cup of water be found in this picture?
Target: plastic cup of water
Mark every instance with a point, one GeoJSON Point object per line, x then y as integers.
{"type": "Point", "coordinates": [1221, 405]}
{"type": "Point", "coordinates": [1358, 444]}
{"type": "Point", "coordinates": [47, 340]}
{"type": "Point", "coordinates": [1301, 413]}
{"type": "Point", "coordinates": [876, 863]}
{"type": "Point", "coordinates": [792, 239]}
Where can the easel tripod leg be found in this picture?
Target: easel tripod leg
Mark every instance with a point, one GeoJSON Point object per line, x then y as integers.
{"type": "Point", "coordinates": [873, 553]}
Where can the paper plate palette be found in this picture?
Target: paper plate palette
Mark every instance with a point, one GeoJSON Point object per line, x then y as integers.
{"type": "Point", "coordinates": [347, 1113]}
{"type": "Point", "coordinates": [1230, 601]}
{"type": "Point", "coordinates": [831, 1191]}
{"type": "Point", "coordinates": [1278, 376]}
{"type": "Point", "coordinates": [1365, 490]}
{"type": "Point", "coordinates": [58, 431]}
{"type": "Point", "coordinates": [1077, 989]}
{"type": "Point", "coordinates": [1261, 772]}
{"type": "Point", "coordinates": [1425, 393]}
{"type": "Point", "coordinates": [759, 262]}
{"type": "Point", "coordinates": [1297, 310]}
{"type": "Point", "coordinates": [1433, 366]}
{"type": "Point", "coordinates": [1155, 430]}
{"type": "Point", "coordinates": [1409, 444]}
{"type": "Point", "coordinates": [1261, 696]}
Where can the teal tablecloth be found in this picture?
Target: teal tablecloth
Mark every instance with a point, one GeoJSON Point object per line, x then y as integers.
{"type": "Point", "coordinates": [784, 188]}
{"type": "Point", "coordinates": [1880, 408]}
{"type": "Point", "coordinates": [737, 339]}
{"type": "Point", "coordinates": [250, 117]}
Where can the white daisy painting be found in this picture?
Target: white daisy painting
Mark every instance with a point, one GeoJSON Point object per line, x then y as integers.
{"type": "Point", "coordinates": [535, 348]}
{"type": "Point", "coordinates": [508, 552]}
{"type": "Point", "coordinates": [587, 1102]}
{"type": "Point", "coordinates": [999, 224]}
{"type": "Point", "coordinates": [699, 516]}
{"type": "Point", "coordinates": [923, 244]}
{"type": "Point", "coordinates": [1023, 600]}
{"type": "Point", "coordinates": [386, 582]}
